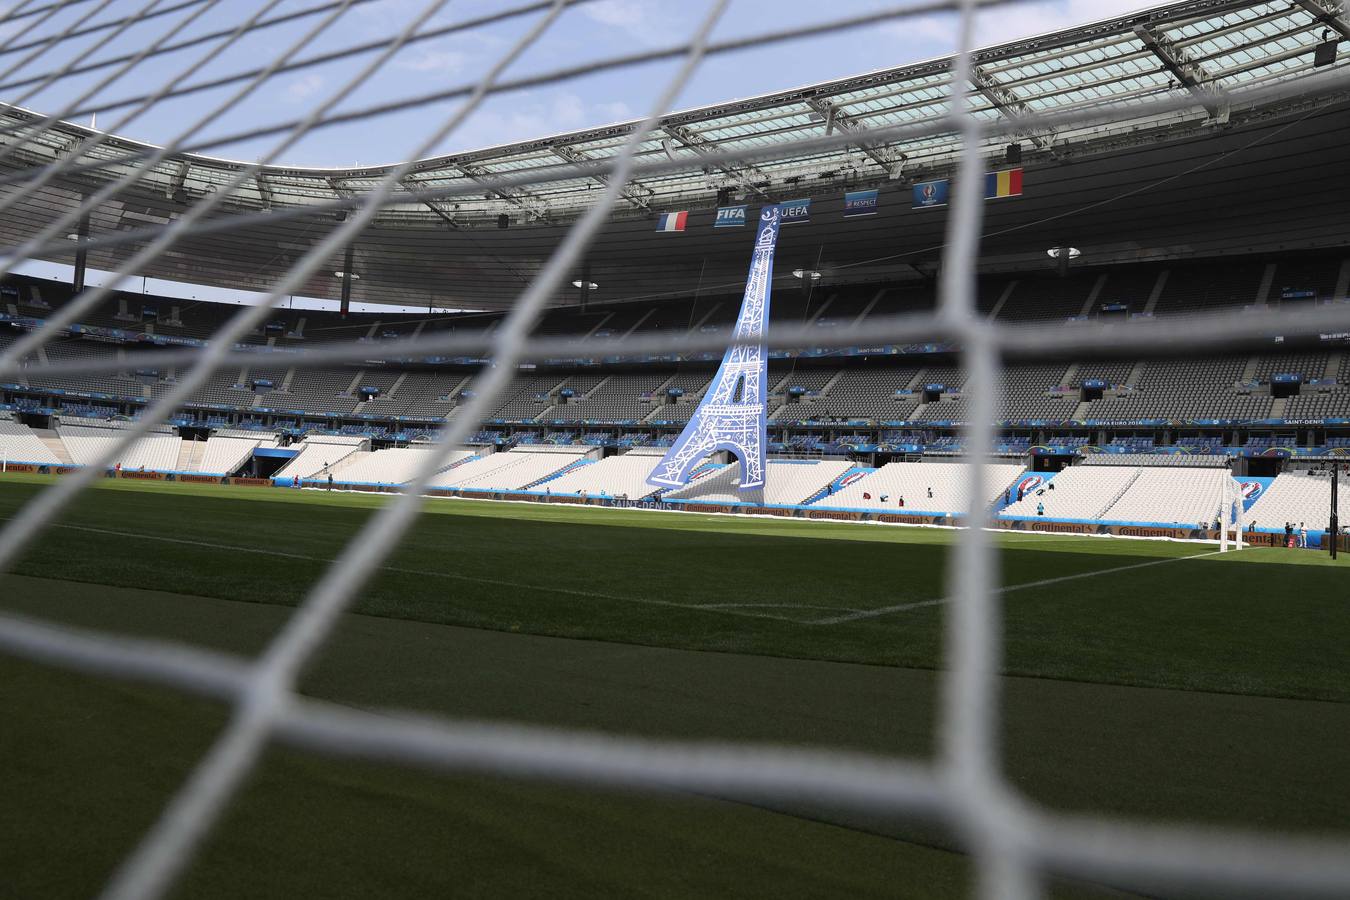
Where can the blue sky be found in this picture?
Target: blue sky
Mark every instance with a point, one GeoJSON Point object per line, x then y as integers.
{"type": "Point", "coordinates": [590, 32]}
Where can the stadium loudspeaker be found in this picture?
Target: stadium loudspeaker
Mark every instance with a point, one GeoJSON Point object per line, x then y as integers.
{"type": "Point", "coordinates": [1014, 153]}
{"type": "Point", "coordinates": [1325, 54]}
{"type": "Point", "coordinates": [723, 196]}
{"type": "Point", "coordinates": [503, 221]}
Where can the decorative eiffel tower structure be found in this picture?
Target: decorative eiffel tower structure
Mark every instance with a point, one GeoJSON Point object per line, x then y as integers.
{"type": "Point", "coordinates": [732, 414]}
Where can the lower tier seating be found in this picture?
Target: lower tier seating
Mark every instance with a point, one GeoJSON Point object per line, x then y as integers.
{"type": "Point", "coordinates": [924, 487]}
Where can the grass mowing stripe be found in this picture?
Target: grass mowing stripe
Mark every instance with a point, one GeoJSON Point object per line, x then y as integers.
{"type": "Point", "coordinates": [1222, 628]}
{"type": "Point", "coordinates": [1044, 582]}
{"type": "Point", "coordinates": [476, 579]}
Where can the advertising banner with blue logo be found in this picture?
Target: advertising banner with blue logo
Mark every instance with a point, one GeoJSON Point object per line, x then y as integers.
{"type": "Point", "coordinates": [794, 211]}
{"type": "Point", "coordinates": [931, 193]}
{"type": "Point", "coordinates": [860, 203]}
{"type": "Point", "coordinates": [730, 217]}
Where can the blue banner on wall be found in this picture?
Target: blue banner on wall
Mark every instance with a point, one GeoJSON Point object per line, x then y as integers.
{"type": "Point", "coordinates": [931, 193]}
{"type": "Point", "coordinates": [860, 203]}
{"type": "Point", "coordinates": [794, 211]}
{"type": "Point", "coordinates": [730, 217]}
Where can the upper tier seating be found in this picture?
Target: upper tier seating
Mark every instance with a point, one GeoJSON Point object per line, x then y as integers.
{"type": "Point", "coordinates": [618, 398]}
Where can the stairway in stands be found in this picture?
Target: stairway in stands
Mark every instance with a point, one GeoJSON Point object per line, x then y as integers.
{"type": "Point", "coordinates": [54, 443]}
{"type": "Point", "coordinates": [1101, 514]}
{"type": "Point", "coordinates": [184, 462]}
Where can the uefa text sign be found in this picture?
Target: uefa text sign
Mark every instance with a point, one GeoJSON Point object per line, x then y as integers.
{"type": "Point", "coordinates": [793, 211]}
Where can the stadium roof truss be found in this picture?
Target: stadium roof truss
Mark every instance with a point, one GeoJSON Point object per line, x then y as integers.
{"type": "Point", "coordinates": [1200, 47]}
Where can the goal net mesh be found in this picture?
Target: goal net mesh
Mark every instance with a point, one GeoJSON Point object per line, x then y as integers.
{"type": "Point", "coordinates": [1015, 845]}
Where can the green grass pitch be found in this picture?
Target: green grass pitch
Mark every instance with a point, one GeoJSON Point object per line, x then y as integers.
{"type": "Point", "coordinates": [1146, 679]}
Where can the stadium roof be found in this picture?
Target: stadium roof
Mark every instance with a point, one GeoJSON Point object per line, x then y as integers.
{"type": "Point", "coordinates": [1195, 51]}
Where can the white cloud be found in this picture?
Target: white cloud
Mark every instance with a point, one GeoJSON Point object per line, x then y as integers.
{"type": "Point", "coordinates": [999, 26]}
{"type": "Point", "coordinates": [618, 111]}
{"type": "Point", "coordinates": [618, 13]}
{"type": "Point", "coordinates": [443, 62]}
{"type": "Point", "coordinates": [647, 22]}
{"type": "Point", "coordinates": [567, 111]}
{"type": "Point", "coordinates": [302, 88]}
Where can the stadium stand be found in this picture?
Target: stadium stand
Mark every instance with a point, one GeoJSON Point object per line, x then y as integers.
{"type": "Point", "coordinates": [513, 470]}
{"type": "Point", "coordinates": [948, 482]}
{"type": "Point", "coordinates": [1299, 497]}
{"type": "Point", "coordinates": [1079, 493]}
{"type": "Point", "coordinates": [224, 454]}
{"type": "Point", "coordinates": [786, 482]}
{"type": "Point", "coordinates": [619, 476]}
{"type": "Point", "coordinates": [1184, 460]}
{"type": "Point", "coordinates": [19, 444]}
{"type": "Point", "coordinates": [1119, 491]}
{"type": "Point", "coordinates": [618, 398]}
{"type": "Point", "coordinates": [317, 453]}
{"type": "Point", "coordinates": [1171, 495]}
{"type": "Point", "coordinates": [153, 452]}
{"type": "Point", "coordinates": [393, 465]}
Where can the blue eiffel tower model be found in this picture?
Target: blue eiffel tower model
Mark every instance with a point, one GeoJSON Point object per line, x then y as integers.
{"type": "Point", "coordinates": [732, 414]}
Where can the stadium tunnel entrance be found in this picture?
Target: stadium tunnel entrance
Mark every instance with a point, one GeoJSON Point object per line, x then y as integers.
{"type": "Point", "coordinates": [267, 461]}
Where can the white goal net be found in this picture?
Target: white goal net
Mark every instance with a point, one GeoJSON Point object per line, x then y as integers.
{"type": "Point", "coordinates": [1014, 844]}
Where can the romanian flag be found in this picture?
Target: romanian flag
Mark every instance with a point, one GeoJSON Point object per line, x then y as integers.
{"type": "Point", "coordinates": [675, 221]}
{"type": "Point", "coordinates": [1007, 183]}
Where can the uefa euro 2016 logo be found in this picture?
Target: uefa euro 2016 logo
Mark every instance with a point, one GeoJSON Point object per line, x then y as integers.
{"type": "Point", "coordinates": [929, 192]}
{"type": "Point", "coordinates": [768, 229]}
{"type": "Point", "coordinates": [1250, 489]}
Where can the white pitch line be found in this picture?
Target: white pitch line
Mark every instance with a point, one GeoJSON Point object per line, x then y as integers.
{"type": "Point", "coordinates": [1044, 582]}
{"type": "Point", "coordinates": [478, 579]}
{"type": "Point", "coordinates": [773, 606]}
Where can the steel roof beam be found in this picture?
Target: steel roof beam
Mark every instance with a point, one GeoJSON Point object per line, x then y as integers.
{"type": "Point", "coordinates": [534, 206]}
{"type": "Point", "coordinates": [635, 192]}
{"type": "Point", "coordinates": [1331, 13]}
{"type": "Point", "coordinates": [264, 190]}
{"type": "Point", "coordinates": [1006, 101]}
{"type": "Point", "coordinates": [889, 158]}
{"type": "Point", "coordinates": [1186, 70]}
{"type": "Point", "coordinates": [444, 211]}
{"type": "Point", "coordinates": [179, 178]}
{"type": "Point", "coordinates": [744, 174]}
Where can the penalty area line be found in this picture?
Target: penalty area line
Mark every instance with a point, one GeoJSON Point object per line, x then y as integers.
{"type": "Point", "coordinates": [1044, 582]}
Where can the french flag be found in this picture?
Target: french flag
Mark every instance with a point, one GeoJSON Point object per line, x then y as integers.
{"type": "Point", "coordinates": [672, 221]}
